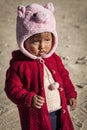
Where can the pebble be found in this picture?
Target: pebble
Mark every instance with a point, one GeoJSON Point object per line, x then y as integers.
{"type": "Point", "coordinates": [81, 85]}
{"type": "Point", "coordinates": [77, 26]}
{"type": "Point", "coordinates": [63, 17]}
{"type": "Point", "coordinates": [68, 37]}
{"type": "Point", "coordinates": [2, 109]}
{"type": "Point", "coordinates": [66, 58]}
{"type": "Point", "coordinates": [79, 124]}
{"type": "Point", "coordinates": [67, 46]}
{"type": "Point", "coordinates": [82, 60]}
{"type": "Point", "coordinates": [84, 107]}
{"type": "Point", "coordinates": [5, 45]}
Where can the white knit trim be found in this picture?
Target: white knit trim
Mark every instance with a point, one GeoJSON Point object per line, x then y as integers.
{"type": "Point", "coordinates": [52, 96]}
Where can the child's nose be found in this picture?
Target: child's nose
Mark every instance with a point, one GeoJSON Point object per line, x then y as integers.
{"type": "Point", "coordinates": [41, 46]}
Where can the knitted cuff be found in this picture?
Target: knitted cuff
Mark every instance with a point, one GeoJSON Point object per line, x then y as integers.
{"type": "Point", "coordinates": [28, 100]}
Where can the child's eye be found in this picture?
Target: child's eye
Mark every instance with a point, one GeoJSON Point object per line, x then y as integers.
{"type": "Point", "coordinates": [35, 41]}
{"type": "Point", "coordinates": [47, 39]}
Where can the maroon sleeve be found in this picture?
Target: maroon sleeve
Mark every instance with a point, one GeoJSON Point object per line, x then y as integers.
{"type": "Point", "coordinates": [69, 88]}
{"type": "Point", "coordinates": [15, 89]}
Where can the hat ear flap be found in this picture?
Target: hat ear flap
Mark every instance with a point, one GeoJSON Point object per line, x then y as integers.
{"type": "Point", "coordinates": [21, 11]}
{"type": "Point", "coordinates": [50, 6]}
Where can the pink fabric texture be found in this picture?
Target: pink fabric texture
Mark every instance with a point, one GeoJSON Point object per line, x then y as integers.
{"type": "Point", "coordinates": [34, 19]}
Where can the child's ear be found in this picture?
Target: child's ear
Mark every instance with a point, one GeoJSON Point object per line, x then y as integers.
{"type": "Point", "coordinates": [50, 6]}
{"type": "Point", "coordinates": [21, 11]}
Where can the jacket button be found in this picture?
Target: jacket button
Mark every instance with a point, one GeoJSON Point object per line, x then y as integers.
{"type": "Point", "coordinates": [64, 111]}
{"type": "Point", "coordinates": [53, 71]}
{"type": "Point", "coordinates": [61, 89]}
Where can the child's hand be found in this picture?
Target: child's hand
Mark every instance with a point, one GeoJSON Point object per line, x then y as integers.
{"type": "Point", "coordinates": [73, 104]}
{"type": "Point", "coordinates": [37, 101]}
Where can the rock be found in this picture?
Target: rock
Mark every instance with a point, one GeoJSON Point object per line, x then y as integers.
{"type": "Point", "coordinates": [84, 107]}
{"type": "Point", "coordinates": [2, 109]}
{"type": "Point", "coordinates": [67, 46]}
{"type": "Point", "coordinates": [77, 26]}
{"type": "Point", "coordinates": [82, 60]}
{"type": "Point", "coordinates": [68, 37]}
{"type": "Point", "coordinates": [63, 17]}
{"type": "Point", "coordinates": [79, 124]}
{"type": "Point", "coordinates": [81, 85]}
{"type": "Point", "coordinates": [66, 58]}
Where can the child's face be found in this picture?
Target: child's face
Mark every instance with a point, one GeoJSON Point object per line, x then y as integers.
{"type": "Point", "coordinates": [39, 44]}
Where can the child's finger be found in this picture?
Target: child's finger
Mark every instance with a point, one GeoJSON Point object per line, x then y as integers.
{"type": "Point", "coordinates": [73, 104]}
{"type": "Point", "coordinates": [39, 104]}
{"type": "Point", "coordinates": [40, 99]}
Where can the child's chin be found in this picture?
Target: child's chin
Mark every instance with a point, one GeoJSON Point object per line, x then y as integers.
{"type": "Point", "coordinates": [42, 55]}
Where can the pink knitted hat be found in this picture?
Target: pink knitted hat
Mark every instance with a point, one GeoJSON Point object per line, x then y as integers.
{"type": "Point", "coordinates": [34, 19]}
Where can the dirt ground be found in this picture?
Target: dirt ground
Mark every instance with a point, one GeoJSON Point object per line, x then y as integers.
{"type": "Point", "coordinates": [71, 17]}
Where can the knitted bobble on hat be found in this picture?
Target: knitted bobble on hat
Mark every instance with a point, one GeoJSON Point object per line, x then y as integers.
{"type": "Point", "coordinates": [50, 6]}
{"type": "Point", "coordinates": [21, 11]}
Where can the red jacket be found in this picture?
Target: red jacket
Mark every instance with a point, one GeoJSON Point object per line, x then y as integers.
{"type": "Point", "coordinates": [24, 79]}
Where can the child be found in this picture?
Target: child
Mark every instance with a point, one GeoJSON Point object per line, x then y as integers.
{"type": "Point", "coordinates": [36, 80]}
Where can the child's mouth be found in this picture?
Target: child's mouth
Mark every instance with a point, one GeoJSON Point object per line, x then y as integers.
{"type": "Point", "coordinates": [41, 53]}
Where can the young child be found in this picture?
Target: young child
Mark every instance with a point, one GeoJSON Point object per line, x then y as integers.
{"type": "Point", "coordinates": [37, 80]}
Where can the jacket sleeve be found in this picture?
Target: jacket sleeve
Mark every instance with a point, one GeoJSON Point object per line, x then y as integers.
{"type": "Point", "coordinates": [68, 86]}
{"type": "Point", "coordinates": [15, 90]}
